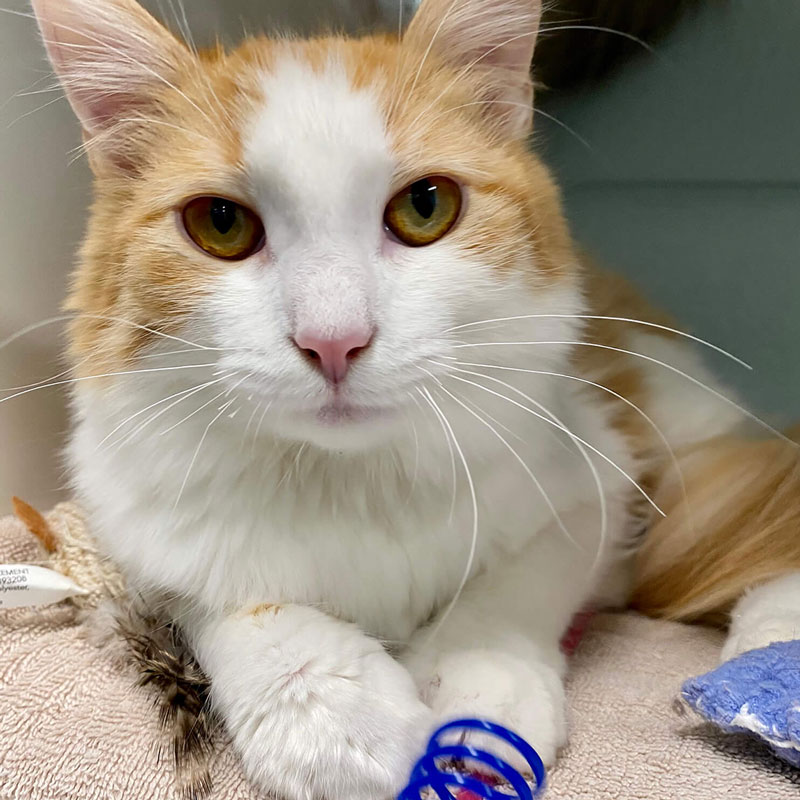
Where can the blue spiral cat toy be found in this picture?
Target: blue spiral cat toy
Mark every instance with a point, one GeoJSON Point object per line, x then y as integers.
{"type": "Point", "coordinates": [459, 771]}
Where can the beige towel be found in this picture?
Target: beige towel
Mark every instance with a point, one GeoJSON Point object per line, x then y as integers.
{"type": "Point", "coordinates": [73, 728]}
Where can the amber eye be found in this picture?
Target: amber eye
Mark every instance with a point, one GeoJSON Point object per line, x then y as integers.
{"type": "Point", "coordinates": [223, 228]}
{"type": "Point", "coordinates": [424, 211]}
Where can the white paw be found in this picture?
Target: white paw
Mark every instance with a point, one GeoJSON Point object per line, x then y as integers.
{"type": "Point", "coordinates": [777, 629]}
{"type": "Point", "coordinates": [768, 613]}
{"type": "Point", "coordinates": [526, 697]}
{"type": "Point", "coordinates": [319, 711]}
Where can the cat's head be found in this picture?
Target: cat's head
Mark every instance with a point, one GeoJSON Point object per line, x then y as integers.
{"type": "Point", "coordinates": [322, 212]}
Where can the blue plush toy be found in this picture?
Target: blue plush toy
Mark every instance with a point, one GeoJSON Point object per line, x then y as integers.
{"type": "Point", "coordinates": [759, 693]}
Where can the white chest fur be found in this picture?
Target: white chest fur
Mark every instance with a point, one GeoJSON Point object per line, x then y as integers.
{"type": "Point", "coordinates": [222, 519]}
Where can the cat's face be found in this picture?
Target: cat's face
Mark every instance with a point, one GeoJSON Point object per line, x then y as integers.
{"type": "Point", "coordinates": [322, 213]}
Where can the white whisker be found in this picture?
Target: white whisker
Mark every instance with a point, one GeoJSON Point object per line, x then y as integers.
{"type": "Point", "coordinates": [196, 411]}
{"type": "Point", "coordinates": [256, 409]}
{"type": "Point", "coordinates": [185, 29]}
{"type": "Point", "coordinates": [466, 70]}
{"type": "Point", "coordinates": [429, 48]}
{"type": "Point", "coordinates": [163, 354]}
{"type": "Point", "coordinates": [104, 375]}
{"type": "Point", "coordinates": [453, 475]}
{"type": "Point", "coordinates": [612, 31]}
{"type": "Point", "coordinates": [520, 460]}
{"type": "Point", "coordinates": [183, 395]}
{"type": "Point", "coordinates": [560, 427]}
{"type": "Point", "coordinates": [258, 429]}
{"type": "Point", "coordinates": [691, 378]}
{"type": "Point", "coordinates": [34, 111]}
{"type": "Point", "coordinates": [600, 386]}
{"type": "Point", "coordinates": [650, 421]}
{"type": "Point", "coordinates": [292, 467]}
{"type": "Point", "coordinates": [163, 123]}
{"type": "Point", "coordinates": [416, 452]}
{"type": "Point", "coordinates": [564, 126]}
{"type": "Point", "coordinates": [223, 408]}
{"type": "Point", "coordinates": [102, 317]}
{"type": "Point", "coordinates": [474, 542]}
{"type": "Point", "coordinates": [100, 44]}
{"type": "Point", "coordinates": [645, 323]}
{"type": "Point", "coordinates": [46, 380]}
{"type": "Point", "coordinates": [399, 61]}
{"type": "Point", "coordinates": [488, 416]}
{"type": "Point", "coordinates": [601, 496]}
{"type": "Point", "coordinates": [221, 411]}
{"type": "Point", "coordinates": [513, 103]}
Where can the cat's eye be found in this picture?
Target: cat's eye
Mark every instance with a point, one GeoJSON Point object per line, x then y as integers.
{"type": "Point", "coordinates": [425, 211]}
{"type": "Point", "coordinates": [223, 228]}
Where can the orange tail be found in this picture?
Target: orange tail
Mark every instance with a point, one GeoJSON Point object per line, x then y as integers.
{"type": "Point", "coordinates": [733, 522]}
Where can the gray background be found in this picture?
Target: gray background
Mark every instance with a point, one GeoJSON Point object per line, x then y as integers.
{"type": "Point", "coordinates": [690, 184]}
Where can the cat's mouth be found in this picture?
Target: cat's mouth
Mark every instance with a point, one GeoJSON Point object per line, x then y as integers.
{"type": "Point", "coordinates": [342, 412]}
{"type": "Point", "coordinates": [339, 424]}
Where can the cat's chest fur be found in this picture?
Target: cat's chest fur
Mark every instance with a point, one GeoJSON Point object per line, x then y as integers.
{"type": "Point", "coordinates": [368, 538]}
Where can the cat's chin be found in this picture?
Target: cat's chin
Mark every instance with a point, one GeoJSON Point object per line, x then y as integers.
{"type": "Point", "coordinates": [336, 426]}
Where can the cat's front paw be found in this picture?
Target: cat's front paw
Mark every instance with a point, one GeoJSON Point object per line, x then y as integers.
{"type": "Point", "coordinates": [742, 639]}
{"type": "Point", "coordinates": [526, 697]}
{"type": "Point", "coordinates": [766, 614]}
{"type": "Point", "coordinates": [319, 711]}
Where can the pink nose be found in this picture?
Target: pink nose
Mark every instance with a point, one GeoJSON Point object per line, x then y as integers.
{"type": "Point", "coordinates": [333, 356]}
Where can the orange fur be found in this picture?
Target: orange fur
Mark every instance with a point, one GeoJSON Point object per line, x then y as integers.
{"type": "Point", "coordinates": [737, 526]}
{"type": "Point", "coordinates": [609, 295]}
{"type": "Point", "coordinates": [265, 608]}
{"type": "Point", "coordinates": [738, 522]}
{"type": "Point", "coordinates": [135, 266]}
{"type": "Point", "coordinates": [35, 523]}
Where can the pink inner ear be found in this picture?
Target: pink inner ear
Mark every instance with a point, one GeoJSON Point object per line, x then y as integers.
{"type": "Point", "coordinates": [501, 33]}
{"type": "Point", "coordinates": [107, 54]}
{"type": "Point", "coordinates": [97, 111]}
{"type": "Point", "coordinates": [495, 37]}
{"type": "Point", "coordinates": [515, 55]}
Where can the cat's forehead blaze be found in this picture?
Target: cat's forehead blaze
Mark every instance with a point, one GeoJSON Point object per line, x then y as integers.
{"type": "Point", "coordinates": [317, 153]}
{"type": "Point", "coordinates": [336, 122]}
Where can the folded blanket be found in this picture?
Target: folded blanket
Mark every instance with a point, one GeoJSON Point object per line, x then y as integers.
{"type": "Point", "coordinates": [75, 728]}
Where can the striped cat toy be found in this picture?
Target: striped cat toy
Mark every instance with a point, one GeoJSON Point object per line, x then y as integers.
{"type": "Point", "coordinates": [462, 772]}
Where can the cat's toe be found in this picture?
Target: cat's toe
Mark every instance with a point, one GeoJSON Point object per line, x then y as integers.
{"type": "Point", "coordinates": [335, 731]}
{"type": "Point", "coordinates": [498, 687]}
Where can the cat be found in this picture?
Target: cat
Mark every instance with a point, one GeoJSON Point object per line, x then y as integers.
{"type": "Point", "coordinates": [347, 397]}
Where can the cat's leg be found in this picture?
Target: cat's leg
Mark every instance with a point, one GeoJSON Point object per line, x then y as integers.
{"type": "Point", "coordinates": [316, 709]}
{"type": "Point", "coordinates": [766, 614]}
{"type": "Point", "coordinates": [517, 682]}
{"type": "Point", "coordinates": [497, 654]}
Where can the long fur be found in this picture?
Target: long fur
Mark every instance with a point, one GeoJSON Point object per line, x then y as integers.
{"type": "Point", "coordinates": [736, 527]}
{"type": "Point", "coordinates": [180, 691]}
{"type": "Point", "coordinates": [352, 563]}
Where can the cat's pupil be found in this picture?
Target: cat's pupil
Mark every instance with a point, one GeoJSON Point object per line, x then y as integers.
{"type": "Point", "coordinates": [223, 214]}
{"type": "Point", "coordinates": [423, 198]}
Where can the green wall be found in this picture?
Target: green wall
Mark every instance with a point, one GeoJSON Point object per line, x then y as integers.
{"type": "Point", "coordinates": [692, 184]}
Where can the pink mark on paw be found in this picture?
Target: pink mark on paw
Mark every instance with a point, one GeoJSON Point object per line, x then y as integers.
{"type": "Point", "coordinates": [572, 638]}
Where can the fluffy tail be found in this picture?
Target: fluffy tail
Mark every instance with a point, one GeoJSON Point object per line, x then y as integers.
{"type": "Point", "coordinates": [732, 522]}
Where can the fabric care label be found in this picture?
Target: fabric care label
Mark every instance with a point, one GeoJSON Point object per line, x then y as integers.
{"type": "Point", "coordinates": [28, 585]}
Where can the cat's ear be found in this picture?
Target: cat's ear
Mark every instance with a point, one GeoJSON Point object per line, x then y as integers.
{"type": "Point", "coordinates": [493, 38]}
{"type": "Point", "coordinates": [110, 56]}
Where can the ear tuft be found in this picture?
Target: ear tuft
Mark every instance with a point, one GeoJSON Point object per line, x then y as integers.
{"type": "Point", "coordinates": [494, 38]}
{"type": "Point", "coordinates": [110, 56]}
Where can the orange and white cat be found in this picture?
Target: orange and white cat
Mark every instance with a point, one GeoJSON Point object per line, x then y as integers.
{"type": "Point", "coordinates": [347, 419]}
